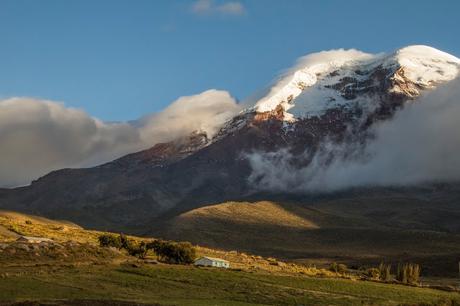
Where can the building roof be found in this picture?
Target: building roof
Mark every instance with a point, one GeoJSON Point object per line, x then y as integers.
{"type": "Point", "coordinates": [213, 259]}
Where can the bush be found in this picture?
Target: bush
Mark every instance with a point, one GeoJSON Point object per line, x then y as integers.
{"type": "Point", "coordinates": [408, 273]}
{"type": "Point", "coordinates": [342, 268]}
{"type": "Point", "coordinates": [373, 273]}
{"type": "Point", "coordinates": [334, 267]}
{"type": "Point", "coordinates": [338, 268]}
{"type": "Point", "coordinates": [28, 222]}
{"type": "Point", "coordinates": [137, 249]}
{"type": "Point", "coordinates": [124, 242]}
{"type": "Point", "coordinates": [172, 252]}
{"type": "Point", "coordinates": [110, 241]}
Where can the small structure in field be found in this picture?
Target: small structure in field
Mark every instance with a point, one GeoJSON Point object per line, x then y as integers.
{"type": "Point", "coordinates": [29, 239]}
{"type": "Point", "coordinates": [212, 262]}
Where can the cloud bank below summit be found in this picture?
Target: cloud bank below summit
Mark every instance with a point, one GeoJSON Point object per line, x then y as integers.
{"type": "Point", "coordinates": [421, 144]}
{"type": "Point", "coordinates": [38, 136]}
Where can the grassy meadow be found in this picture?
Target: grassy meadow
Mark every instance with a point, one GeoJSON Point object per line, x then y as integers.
{"type": "Point", "coordinates": [185, 285]}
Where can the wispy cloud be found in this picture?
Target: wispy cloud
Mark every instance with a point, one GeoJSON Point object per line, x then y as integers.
{"type": "Point", "coordinates": [231, 8]}
{"type": "Point", "coordinates": [209, 7]}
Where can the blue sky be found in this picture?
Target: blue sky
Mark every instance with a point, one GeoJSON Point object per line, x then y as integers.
{"type": "Point", "coordinates": [119, 60]}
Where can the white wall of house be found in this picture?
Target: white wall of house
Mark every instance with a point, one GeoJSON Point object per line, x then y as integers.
{"type": "Point", "coordinates": [210, 262]}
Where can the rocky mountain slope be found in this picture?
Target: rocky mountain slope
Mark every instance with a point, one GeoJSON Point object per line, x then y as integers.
{"type": "Point", "coordinates": [335, 96]}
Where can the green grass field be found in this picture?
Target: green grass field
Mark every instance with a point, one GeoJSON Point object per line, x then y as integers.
{"type": "Point", "coordinates": [186, 285]}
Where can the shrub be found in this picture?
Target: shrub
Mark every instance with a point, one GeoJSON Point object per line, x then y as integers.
{"type": "Point", "coordinates": [373, 273]}
{"type": "Point", "coordinates": [172, 252]}
{"type": "Point", "coordinates": [124, 241]}
{"type": "Point", "coordinates": [28, 222]}
{"type": "Point", "coordinates": [342, 268]}
{"type": "Point", "coordinates": [338, 268]}
{"type": "Point", "coordinates": [385, 272]}
{"type": "Point", "coordinates": [408, 273]}
{"type": "Point", "coordinates": [334, 267]}
{"type": "Point", "coordinates": [137, 249]}
{"type": "Point", "coordinates": [110, 241]}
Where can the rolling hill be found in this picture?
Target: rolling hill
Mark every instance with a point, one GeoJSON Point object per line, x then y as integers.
{"type": "Point", "coordinates": [351, 230]}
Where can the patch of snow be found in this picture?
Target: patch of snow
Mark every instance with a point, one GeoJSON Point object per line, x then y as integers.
{"type": "Point", "coordinates": [305, 74]}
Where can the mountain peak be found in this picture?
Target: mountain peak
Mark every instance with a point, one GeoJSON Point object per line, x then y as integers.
{"type": "Point", "coordinates": [423, 51]}
{"type": "Point", "coordinates": [324, 80]}
{"type": "Point", "coordinates": [427, 66]}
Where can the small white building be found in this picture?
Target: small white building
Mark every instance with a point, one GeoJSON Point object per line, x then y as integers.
{"type": "Point", "coordinates": [29, 239]}
{"type": "Point", "coordinates": [212, 262]}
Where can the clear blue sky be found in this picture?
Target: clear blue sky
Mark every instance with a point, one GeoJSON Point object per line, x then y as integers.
{"type": "Point", "coordinates": [119, 60]}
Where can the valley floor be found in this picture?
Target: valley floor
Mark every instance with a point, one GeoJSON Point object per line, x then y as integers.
{"type": "Point", "coordinates": [185, 285]}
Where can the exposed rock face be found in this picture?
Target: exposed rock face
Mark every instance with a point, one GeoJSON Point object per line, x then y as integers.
{"type": "Point", "coordinates": [337, 102]}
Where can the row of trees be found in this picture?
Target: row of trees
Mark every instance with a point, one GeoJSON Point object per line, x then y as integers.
{"type": "Point", "coordinates": [406, 273]}
{"type": "Point", "coordinates": [166, 251]}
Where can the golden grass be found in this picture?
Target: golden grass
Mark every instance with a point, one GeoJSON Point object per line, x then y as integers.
{"type": "Point", "coordinates": [59, 231]}
{"type": "Point", "coordinates": [62, 231]}
{"type": "Point", "coordinates": [258, 213]}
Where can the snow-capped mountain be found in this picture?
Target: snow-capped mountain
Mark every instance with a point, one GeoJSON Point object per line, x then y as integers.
{"type": "Point", "coordinates": [335, 95]}
{"type": "Point", "coordinates": [325, 80]}
{"type": "Point", "coordinates": [347, 89]}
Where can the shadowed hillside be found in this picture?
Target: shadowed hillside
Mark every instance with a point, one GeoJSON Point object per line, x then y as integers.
{"type": "Point", "coordinates": [352, 231]}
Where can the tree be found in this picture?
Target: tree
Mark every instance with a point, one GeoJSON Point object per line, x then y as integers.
{"type": "Point", "coordinates": [124, 241]}
{"type": "Point", "coordinates": [173, 252]}
{"type": "Point", "coordinates": [137, 249]}
{"type": "Point", "coordinates": [408, 273]}
{"type": "Point", "coordinates": [385, 272]}
{"type": "Point", "coordinates": [107, 240]}
{"type": "Point", "coordinates": [338, 268]}
{"type": "Point", "coordinates": [334, 267]}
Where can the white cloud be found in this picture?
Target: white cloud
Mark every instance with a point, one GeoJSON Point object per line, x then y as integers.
{"type": "Point", "coordinates": [38, 136]}
{"type": "Point", "coordinates": [420, 145]}
{"type": "Point", "coordinates": [202, 6]}
{"type": "Point", "coordinates": [206, 112]}
{"type": "Point", "coordinates": [231, 8]}
{"type": "Point", "coordinates": [208, 7]}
